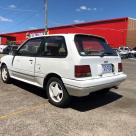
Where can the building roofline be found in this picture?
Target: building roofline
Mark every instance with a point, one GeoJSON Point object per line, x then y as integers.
{"type": "Point", "coordinates": [131, 18]}
{"type": "Point", "coordinates": [64, 26]}
{"type": "Point", "coordinates": [93, 22]}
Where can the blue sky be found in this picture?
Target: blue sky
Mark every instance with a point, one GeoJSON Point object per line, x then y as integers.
{"type": "Point", "coordinates": [18, 15]}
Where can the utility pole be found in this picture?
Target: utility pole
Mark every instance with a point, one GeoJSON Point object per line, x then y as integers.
{"type": "Point", "coordinates": [46, 16]}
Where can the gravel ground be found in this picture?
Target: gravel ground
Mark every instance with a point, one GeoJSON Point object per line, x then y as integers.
{"type": "Point", "coordinates": [25, 111]}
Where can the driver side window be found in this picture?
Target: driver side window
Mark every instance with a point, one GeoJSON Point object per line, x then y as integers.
{"type": "Point", "coordinates": [30, 48]}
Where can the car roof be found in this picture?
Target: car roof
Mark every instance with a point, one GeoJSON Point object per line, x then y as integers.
{"type": "Point", "coordinates": [68, 34]}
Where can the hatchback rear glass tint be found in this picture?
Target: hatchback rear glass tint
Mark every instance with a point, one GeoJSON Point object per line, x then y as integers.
{"type": "Point", "coordinates": [93, 46]}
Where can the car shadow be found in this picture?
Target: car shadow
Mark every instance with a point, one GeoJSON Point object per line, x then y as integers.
{"type": "Point", "coordinates": [94, 100]}
{"type": "Point", "coordinates": [30, 88]}
{"type": "Point", "coordinates": [82, 104]}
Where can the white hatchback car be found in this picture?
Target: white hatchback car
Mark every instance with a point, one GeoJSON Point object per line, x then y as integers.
{"type": "Point", "coordinates": [65, 65]}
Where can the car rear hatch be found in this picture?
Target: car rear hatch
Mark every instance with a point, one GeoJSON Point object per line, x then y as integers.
{"type": "Point", "coordinates": [97, 57]}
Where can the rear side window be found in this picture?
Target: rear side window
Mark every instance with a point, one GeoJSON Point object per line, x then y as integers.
{"type": "Point", "coordinates": [92, 46]}
{"type": "Point", "coordinates": [54, 46]}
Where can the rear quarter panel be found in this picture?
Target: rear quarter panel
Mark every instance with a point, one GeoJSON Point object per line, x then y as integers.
{"type": "Point", "coordinates": [64, 67]}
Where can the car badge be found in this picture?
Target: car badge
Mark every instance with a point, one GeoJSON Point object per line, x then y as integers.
{"type": "Point", "coordinates": [105, 61]}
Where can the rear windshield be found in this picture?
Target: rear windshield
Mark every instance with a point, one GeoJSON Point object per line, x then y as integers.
{"type": "Point", "coordinates": [93, 46]}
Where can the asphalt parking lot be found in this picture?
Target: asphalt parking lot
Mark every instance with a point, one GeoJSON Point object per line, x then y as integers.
{"type": "Point", "coordinates": [25, 111]}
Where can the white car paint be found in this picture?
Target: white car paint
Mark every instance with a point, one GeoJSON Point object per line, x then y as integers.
{"type": "Point", "coordinates": [2, 47]}
{"type": "Point", "coordinates": [34, 70]}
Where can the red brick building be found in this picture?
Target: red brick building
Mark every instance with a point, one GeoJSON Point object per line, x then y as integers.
{"type": "Point", "coordinates": [118, 32]}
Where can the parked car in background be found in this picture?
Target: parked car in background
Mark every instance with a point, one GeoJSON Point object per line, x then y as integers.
{"type": "Point", "coordinates": [9, 49]}
{"type": "Point", "coordinates": [65, 65]}
{"type": "Point", "coordinates": [133, 52]}
{"type": "Point", "coordinates": [2, 47]}
{"type": "Point", "coordinates": [124, 52]}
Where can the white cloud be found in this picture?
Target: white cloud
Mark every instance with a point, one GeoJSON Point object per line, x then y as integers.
{"type": "Point", "coordinates": [4, 19]}
{"type": "Point", "coordinates": [12, 6]}
{"type": "Point", "coordinates": [85, 8]}
{"type": "Point", "coordinates": [79, 21]}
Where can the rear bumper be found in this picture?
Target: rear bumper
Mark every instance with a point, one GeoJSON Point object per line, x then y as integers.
{"type": "Point", "coordinates": [84, 88]}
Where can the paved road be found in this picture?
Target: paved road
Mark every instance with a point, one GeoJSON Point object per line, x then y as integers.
{"type": "Point", "coordinates": [1, 55]}
{"type": "Point", "coordinates": [25, 111]}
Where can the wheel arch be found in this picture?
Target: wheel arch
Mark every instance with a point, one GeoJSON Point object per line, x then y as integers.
{"type": "Point", "coordinates": [46, 79]}
{"type": "Point", "coordinates": [2, 64]}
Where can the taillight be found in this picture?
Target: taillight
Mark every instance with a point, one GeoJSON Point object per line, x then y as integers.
{"type": "Point", "coordinates": [120, 67]}
{"type": "Point", "coordinates": [82, 71]}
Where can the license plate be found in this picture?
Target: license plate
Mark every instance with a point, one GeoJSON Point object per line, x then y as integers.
{"type": "Point", "coordinates": [107, 68]}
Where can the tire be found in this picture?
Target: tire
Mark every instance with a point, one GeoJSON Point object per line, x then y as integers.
{"type": "Point", "coordinates": [57, 93]}
{"type": "Point", "coordinates": [5, 74]}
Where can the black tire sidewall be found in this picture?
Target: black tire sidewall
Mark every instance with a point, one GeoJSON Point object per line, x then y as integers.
{"type": "Point", "coordinates": [66, 98]}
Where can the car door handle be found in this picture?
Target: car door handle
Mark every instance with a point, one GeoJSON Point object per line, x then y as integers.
{"type": "Point", "coordinates": [31, 61]}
